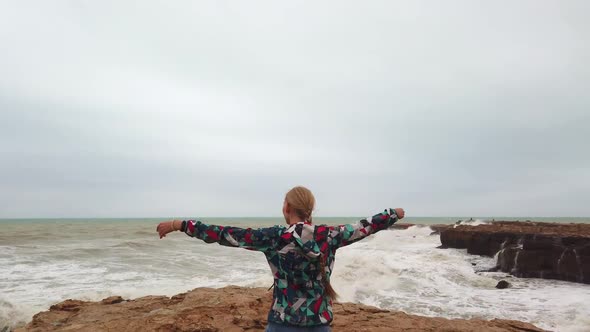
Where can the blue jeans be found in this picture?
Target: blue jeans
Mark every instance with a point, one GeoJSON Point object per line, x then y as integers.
{"type": "Point", "coordinates": [273, 327]}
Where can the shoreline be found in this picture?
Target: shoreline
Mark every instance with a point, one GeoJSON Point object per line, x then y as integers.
{"type": "Point", "coordinates": [505, 235]}
{"type": "Point", "coordinates": [234, 308]}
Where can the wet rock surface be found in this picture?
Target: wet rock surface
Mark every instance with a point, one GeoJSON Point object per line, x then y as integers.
{"type": "Point", "coordinates": [528, 249]}
{"type": "Point", "coordinates": [502, 284]}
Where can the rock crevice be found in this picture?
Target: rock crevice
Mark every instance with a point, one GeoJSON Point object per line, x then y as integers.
{"type": "Point", "coordinates": [528, 249]}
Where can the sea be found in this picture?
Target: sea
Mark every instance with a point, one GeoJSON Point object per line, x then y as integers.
{"type": "Point", "coordinates": [45, 261]}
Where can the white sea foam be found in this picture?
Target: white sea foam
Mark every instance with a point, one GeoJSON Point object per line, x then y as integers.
{"type": "Point", "coordinates": [403, 270]}
{"type": "Point", "coordinates": [13, 314]}
{"type": "Point", "coordinates": [399, 270]}
{"type": "Point", "coordinates": [471, 222]}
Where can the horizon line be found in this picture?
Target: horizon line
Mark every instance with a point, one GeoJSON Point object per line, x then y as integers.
{"type": "Point", "coordinates": [253, 217]}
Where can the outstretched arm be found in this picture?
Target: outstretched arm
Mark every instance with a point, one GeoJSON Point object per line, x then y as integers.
{"type": "Point", "coordinates": [344, 235]}
{"type": "Point", "coordinates": [262, 239]}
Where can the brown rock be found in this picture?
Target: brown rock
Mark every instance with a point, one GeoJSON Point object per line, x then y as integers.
{"type": "Point", "coordinates": [235, 309]}
{"type": "Point", "coordinates": [68, 305]}
{"type": "Point", "coordinates": [112, 300]}
{"type": "Point", "coordinates": [528, 249]}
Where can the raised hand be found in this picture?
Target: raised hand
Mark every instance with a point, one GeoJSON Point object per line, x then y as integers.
{"type": "Point", "coordinates": [400, 213]}
{"type": "Point", "coordinates": [165, 228]}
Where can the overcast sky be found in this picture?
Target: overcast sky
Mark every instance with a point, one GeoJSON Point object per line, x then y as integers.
{"type": "Point", "coordinates": [217, 108]}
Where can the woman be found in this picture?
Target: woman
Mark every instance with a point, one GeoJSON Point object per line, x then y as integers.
{"type": "Point", "coordinates": [301, 257]}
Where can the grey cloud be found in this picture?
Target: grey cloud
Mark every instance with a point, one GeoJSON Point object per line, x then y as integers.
{"type": "Point", "coordinates": [217, 108]}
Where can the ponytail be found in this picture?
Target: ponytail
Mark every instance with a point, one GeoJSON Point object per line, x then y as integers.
{"type": "Point", "coordinates": [327, 287]}
{"type": "Point", "coordinates": [302, 201]}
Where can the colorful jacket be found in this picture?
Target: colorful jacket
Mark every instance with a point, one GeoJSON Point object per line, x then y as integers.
{"type": "Point", "coordinates": [294, 254]}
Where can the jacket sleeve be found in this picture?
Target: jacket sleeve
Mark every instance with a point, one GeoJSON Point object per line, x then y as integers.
{"type": "Point", "coordinates": [344, 235]}
{"type": "Point", "coordinates": [261, 239]}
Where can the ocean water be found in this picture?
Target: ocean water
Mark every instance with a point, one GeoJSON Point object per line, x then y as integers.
{"type": "Point", "coordinates": [44, 261]}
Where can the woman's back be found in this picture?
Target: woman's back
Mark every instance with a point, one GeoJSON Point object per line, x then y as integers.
{"type": "Point", "coordinates": [301, 256]}
{"type": "Point", "coordinates": [301, 259]}
{"type": "Point", "coordinates": [299, 295]}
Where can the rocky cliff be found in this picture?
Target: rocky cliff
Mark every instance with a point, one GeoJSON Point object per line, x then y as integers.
{"type": "Point", "coordinates": [233, 309]}
{"type": "Point", "coordinates": [528, 249]}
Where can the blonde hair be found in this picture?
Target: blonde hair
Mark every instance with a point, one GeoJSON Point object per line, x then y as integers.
{"type": "Point", "coordinates": [302, 203]}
